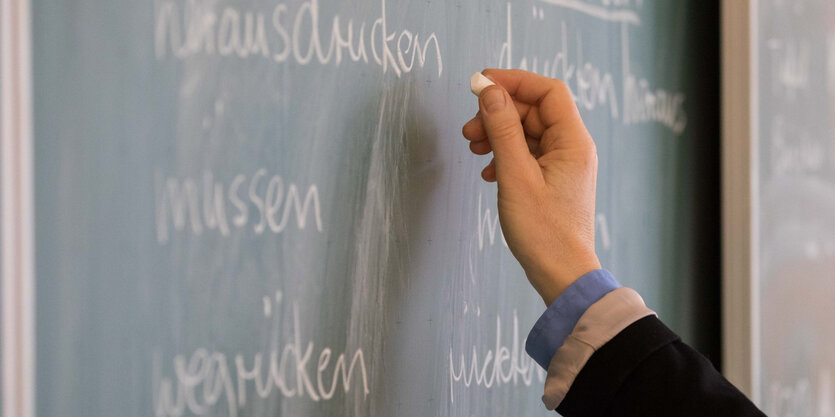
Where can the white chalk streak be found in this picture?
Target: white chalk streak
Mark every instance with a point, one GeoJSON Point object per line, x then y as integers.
{"type": "Point", "coordinates": [267, 307]}
{"type": "Point", "coordinates": [625, 16]}
{"type": "Point", "coordinates": [603, 227]}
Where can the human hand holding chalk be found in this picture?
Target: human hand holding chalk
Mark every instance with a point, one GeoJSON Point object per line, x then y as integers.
{"type": "Point", "coordinates": [545, 164]}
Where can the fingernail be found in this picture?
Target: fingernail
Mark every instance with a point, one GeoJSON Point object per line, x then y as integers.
{"type": "Point", "coordinates": [493, 99]}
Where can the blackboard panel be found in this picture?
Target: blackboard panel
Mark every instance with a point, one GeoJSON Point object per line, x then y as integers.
{"type": "Point", "coordinates": [240, 213]}
{"type": "Point", "coordinates": [796, 176]}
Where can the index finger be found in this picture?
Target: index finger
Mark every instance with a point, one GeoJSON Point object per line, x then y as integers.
{"type": "Point", "coordinates": [549, 94]}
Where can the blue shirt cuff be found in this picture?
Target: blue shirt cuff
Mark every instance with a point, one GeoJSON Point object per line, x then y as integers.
{"type": "Point", "coordinates": [557, 322]}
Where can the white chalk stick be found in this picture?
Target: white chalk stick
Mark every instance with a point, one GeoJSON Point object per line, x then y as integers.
{"type": "Point", "coordinates": [479, 82]}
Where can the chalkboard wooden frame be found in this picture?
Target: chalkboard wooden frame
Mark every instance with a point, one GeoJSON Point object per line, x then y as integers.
{"type": "Point", "coordinates": [740, 303]}
{"type": "Point", "coordinates": [16, 250]}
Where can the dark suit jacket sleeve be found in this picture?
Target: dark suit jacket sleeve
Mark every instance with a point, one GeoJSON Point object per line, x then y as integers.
{"type": "Point", "coordinates": [646, 370]}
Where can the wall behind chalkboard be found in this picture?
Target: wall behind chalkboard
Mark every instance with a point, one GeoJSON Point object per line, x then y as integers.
{"type": "Point", "coordinates": [266, 208]}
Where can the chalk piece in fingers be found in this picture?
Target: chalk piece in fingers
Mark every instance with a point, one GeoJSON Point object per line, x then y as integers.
{"type": "Point", "coordinates": [479, 82]}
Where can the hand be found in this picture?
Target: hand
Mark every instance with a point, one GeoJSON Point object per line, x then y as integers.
{"type": "Point", "coordinates": [545, 163]}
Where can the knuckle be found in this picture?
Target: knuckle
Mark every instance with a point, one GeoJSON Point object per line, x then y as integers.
{"type": "Point", "coordinates": [590, 155]}
{"type": "Point", "coordinates": [558, 84]}
{"type": "Point", "coordinates": [504, 128]}
{"type": "Point", "coordinates": [560, 88]}
{"type": "Point", "coordinates": [592, 150]}
{"type": "Point", "coordinates": [558, 95]}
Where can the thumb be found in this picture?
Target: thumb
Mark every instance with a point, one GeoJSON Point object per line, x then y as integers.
{"type": "Point", "coordinates": [504, 131]}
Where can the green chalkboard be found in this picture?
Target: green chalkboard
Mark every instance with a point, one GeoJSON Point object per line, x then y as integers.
{"type": "Point", "coordinates": [260, 208]}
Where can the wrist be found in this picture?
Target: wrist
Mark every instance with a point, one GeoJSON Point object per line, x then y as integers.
{"type": "Point", "coordinates": [552, 280]}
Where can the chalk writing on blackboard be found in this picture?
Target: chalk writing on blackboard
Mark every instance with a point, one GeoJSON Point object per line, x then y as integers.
{"type": "Point", "coordinates": [205, 378]}
{"type": "Point", "coordinates": [505, 364]}
{"type": "Point", "coordinates": [222, 206]}
{"type": "Point", "coordinates": [290, 35]}
{"type": "Point", "coordinates": [488, 226]}
{"type": "Point", "coordinates": [802, 397]}
{"type": "Point", "coordinates": [590, 84]}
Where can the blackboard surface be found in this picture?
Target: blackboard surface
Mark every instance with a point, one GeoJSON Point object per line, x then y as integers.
{"type": "Point", "coordinates": [796, 199]}
{"type": "Point", "coordinates": [258, 208]}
